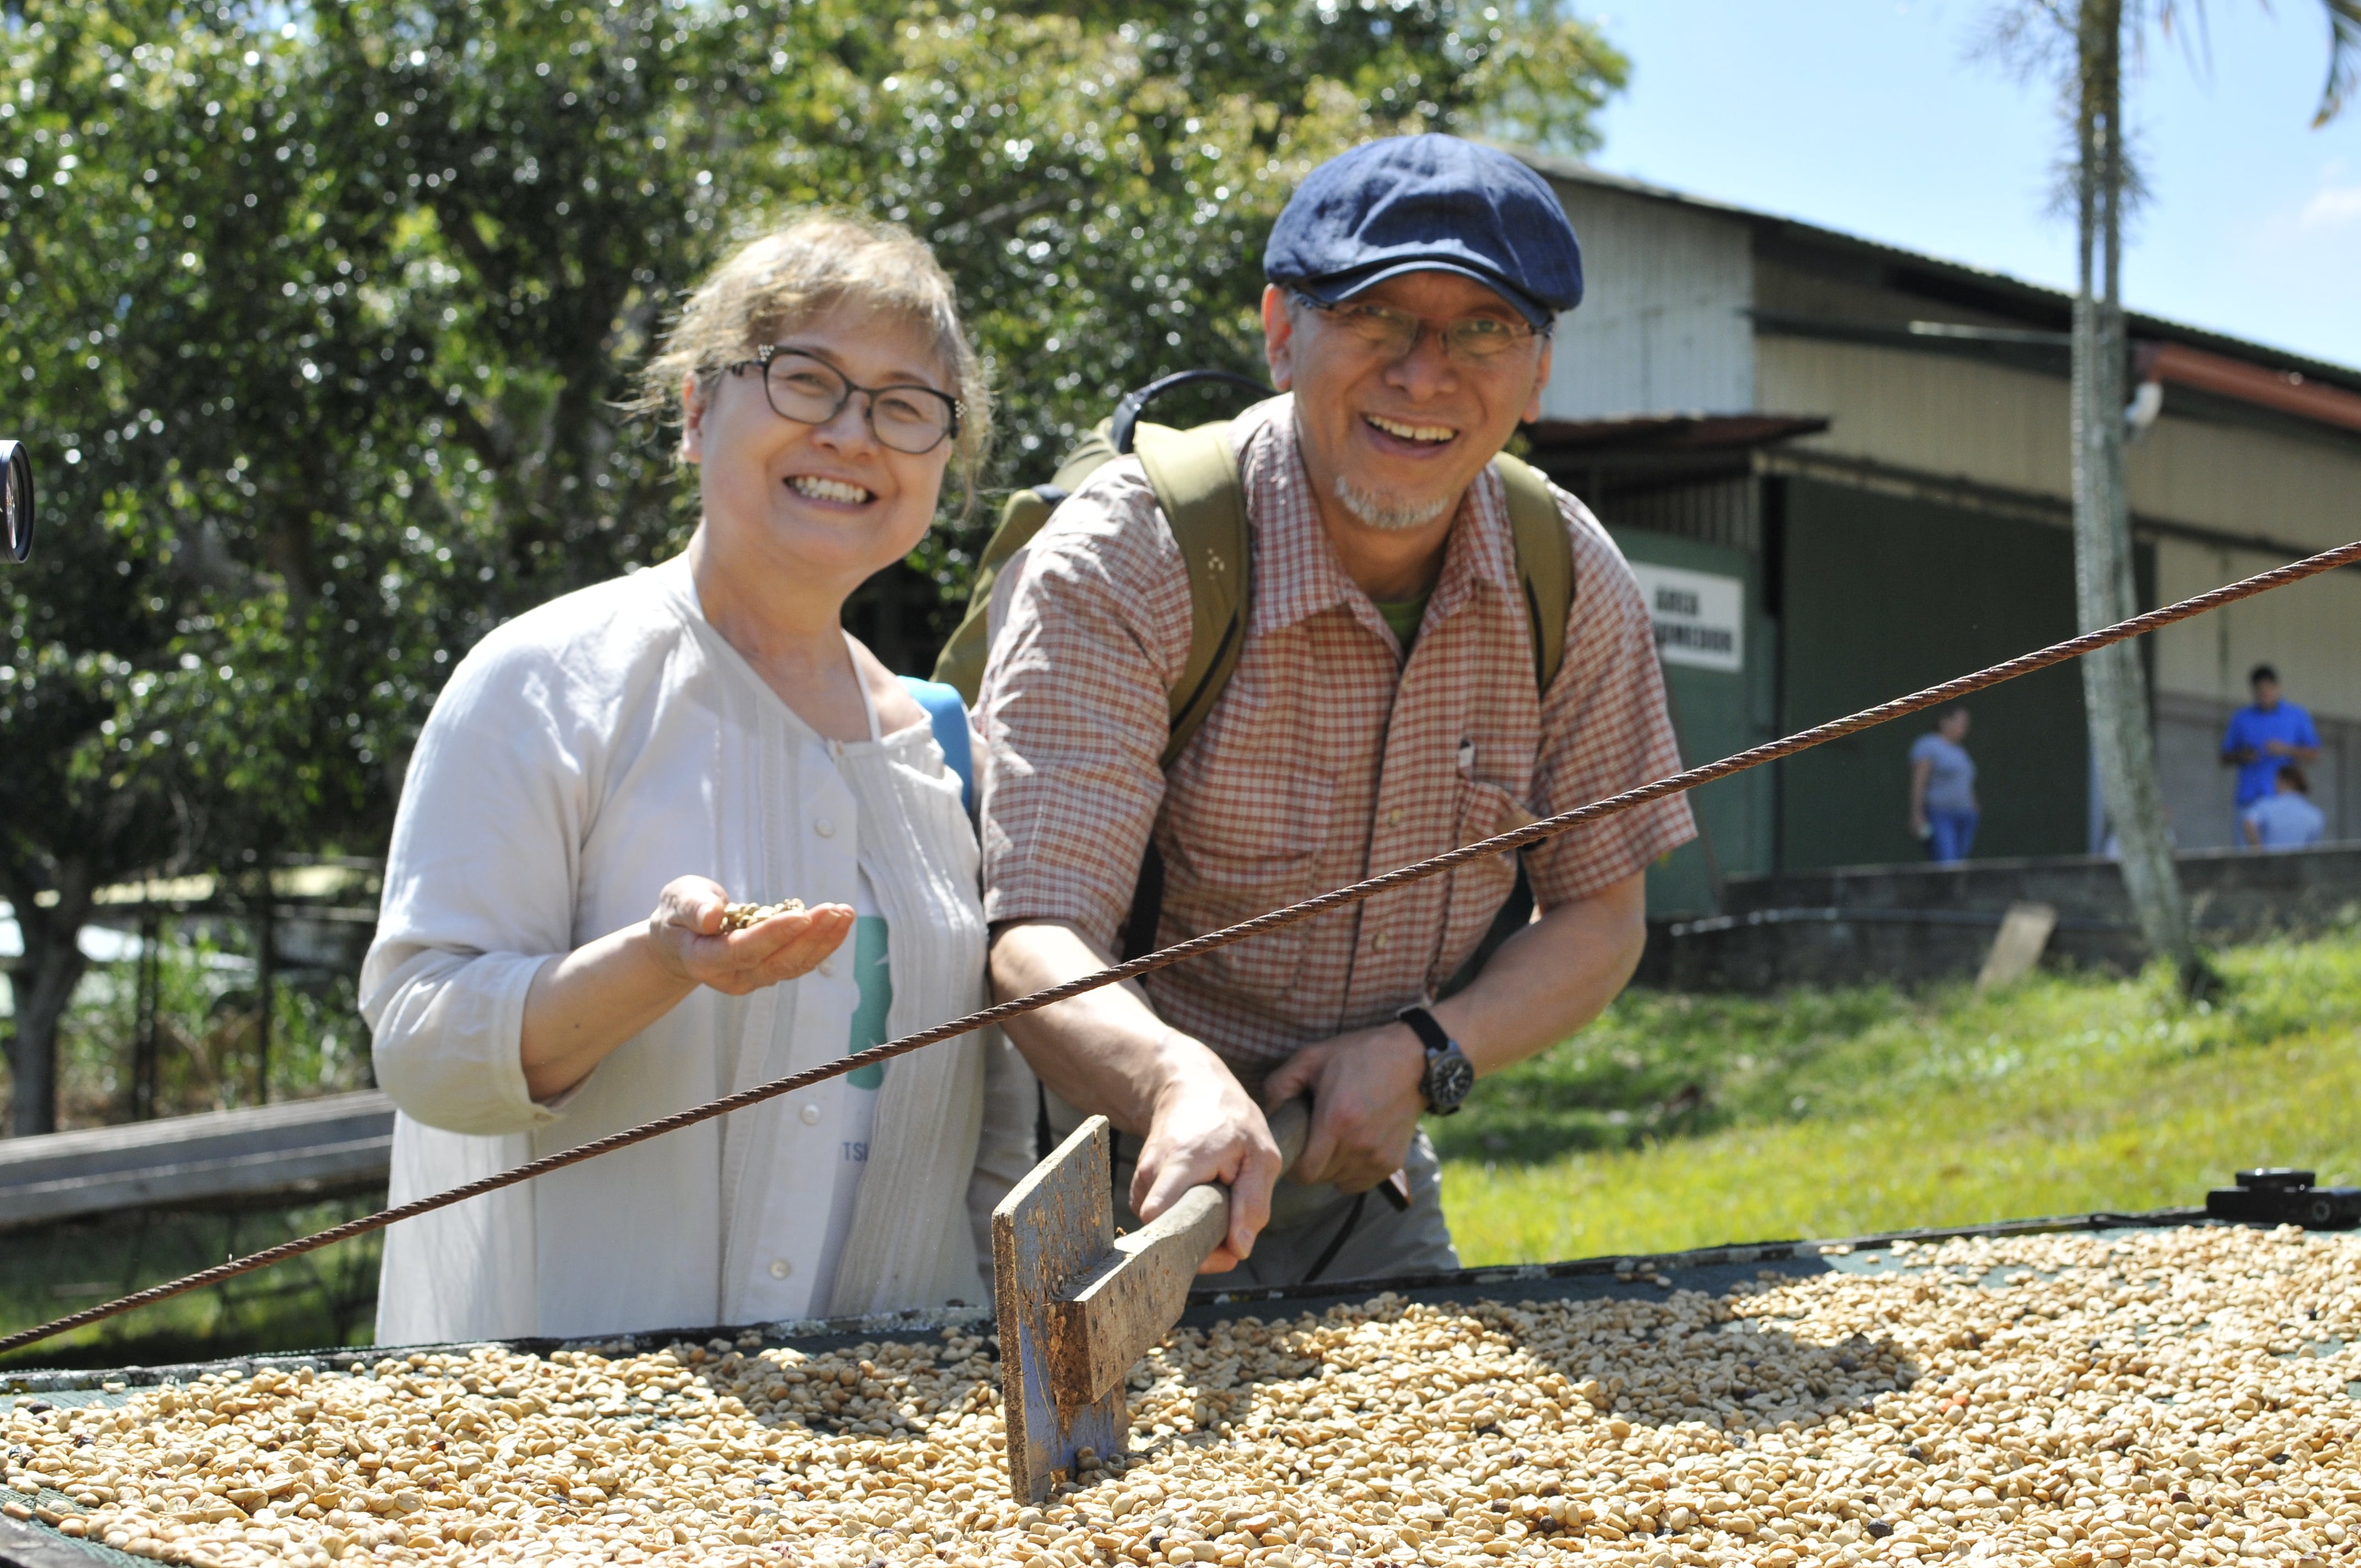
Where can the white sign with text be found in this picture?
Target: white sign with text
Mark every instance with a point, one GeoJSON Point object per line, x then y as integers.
{"type": "Point", "coordinates": [1701, 617]}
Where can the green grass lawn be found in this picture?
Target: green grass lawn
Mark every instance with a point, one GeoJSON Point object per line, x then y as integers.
{"type": "Point", "coordinates": [325, 1298]}
{"type": "Point", "coordinates": [1687, 1121]}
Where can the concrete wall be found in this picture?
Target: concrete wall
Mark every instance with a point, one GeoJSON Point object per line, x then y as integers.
{"type": "Point", "coordinates": [1663, 326]}
{"type": "Point", "coordinates": [1913, 923]}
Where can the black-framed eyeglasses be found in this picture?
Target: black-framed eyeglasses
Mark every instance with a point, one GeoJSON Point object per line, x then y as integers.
{"type": "Point", "coordinates": [809, 390]}
{"type": "Point", "coordinates": [1474, 341]}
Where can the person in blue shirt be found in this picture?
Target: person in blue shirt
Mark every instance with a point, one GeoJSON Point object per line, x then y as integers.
{"type": "Point", "coordinates": [2263, 738]}
{"type": "Point", "coordinates": [2285, 819]}
{"type": "Point", "coordinates": [1943, 790]}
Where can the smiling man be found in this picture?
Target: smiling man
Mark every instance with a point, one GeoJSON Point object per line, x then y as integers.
{"type": "Point", "coordinates": [1384, 708]}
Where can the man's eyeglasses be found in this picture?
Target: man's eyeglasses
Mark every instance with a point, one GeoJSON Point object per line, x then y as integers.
{"type": "Point", "coordinates": [1469, 340]}
{"type": "Point", "coordinates": [909, 419]}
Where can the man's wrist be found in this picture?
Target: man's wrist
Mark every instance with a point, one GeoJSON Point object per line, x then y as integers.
{"type": "Point", "coordinates": [1180, 1063]}
{"type": "Point", "coordinates": [1457, 1018]}
{"type": "Point", "coordinates": [1448, 1075]}
{"type": "Point", "coordinates": [1401, 1061]}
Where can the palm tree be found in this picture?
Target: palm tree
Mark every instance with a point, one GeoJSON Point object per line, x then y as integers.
{"type": "Point", "coordinates": [2081, 43]}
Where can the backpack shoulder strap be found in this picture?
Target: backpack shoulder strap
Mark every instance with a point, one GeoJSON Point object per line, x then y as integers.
{"type": "Point", "coordinates": [1091, 453]}
{"type": "Point", "coordinates": [1195, 475]}
{"type": "Point", "coordinates": [1544, 561]}
{"type": "Point", "coordinates": [960, 663]}
{"type": "Point", "coordinates": [947, 714]}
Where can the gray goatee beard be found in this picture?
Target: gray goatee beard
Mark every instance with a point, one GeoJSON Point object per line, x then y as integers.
{"type": "Point", "coordinates": [1387, 515]}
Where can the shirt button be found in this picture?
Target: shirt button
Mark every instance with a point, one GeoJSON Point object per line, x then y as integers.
{"type": "Point", "coordinates": [1378, 941]}
{"type": "Point", "coordinates": [781, 1268]}
{"type": "Point", "coordinates": [828, 968]}
{"type": "Point", "coordinates": [824, 828]}
{"type": "Point", "coordinates": [810, 1114]}
{"type": "Point", "coordinates": [1393, 817]}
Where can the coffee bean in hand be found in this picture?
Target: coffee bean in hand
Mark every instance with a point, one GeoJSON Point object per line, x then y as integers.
{"type": "Point", "coordinates": [738, 916]}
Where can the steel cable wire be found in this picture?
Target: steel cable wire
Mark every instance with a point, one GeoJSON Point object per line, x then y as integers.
{"type": "Point", "coordinates": [1179, 952]}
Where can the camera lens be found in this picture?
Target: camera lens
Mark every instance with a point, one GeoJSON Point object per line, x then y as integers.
{"type": "Point", "coordinates": [17, 497]}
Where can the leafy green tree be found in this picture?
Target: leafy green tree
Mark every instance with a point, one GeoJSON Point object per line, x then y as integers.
{"type": "Point", "coordinates": [333, 317]}
{"type": "Point", "coordinates": [89, 247]}
{"type": "Point", "coordinates": [2080, 43]}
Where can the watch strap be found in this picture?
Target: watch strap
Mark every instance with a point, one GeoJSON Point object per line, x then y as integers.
{"type": "Point", "coordinates": [1430, 1033]}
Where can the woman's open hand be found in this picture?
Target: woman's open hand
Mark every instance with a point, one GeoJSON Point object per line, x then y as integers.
{"type": "Point", "coordinates": [686, 930]}
{"type": "Point", "coordinates": [583, 1005]}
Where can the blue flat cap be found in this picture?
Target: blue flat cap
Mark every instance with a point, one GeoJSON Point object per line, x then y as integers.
{"type": "Point", "coordinates": [1428, 204]}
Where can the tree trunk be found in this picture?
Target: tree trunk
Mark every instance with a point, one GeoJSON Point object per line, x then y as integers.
{"type": "Point", "coordinates": [41, 987]}
{"type": "Point", "coordinates": [2114, 686]}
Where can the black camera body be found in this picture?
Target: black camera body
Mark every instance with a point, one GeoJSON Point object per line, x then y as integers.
{"type": "Point", "coordinates": [2278, 1196]}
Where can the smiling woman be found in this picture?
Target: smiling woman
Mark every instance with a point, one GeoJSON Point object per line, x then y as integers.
{"type": "Point", "coordinates": [672, 741]}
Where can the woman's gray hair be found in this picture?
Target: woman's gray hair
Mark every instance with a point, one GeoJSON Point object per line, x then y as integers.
{"type": "Point", "coordinates": [810, 267]}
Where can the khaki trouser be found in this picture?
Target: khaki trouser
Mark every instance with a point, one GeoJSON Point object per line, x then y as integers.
{"type": "Point", "coordinates": [1371, 1239]}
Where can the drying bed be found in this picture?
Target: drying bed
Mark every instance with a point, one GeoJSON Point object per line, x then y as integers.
{"type": "Point", "coordinates": [2178, 1393]}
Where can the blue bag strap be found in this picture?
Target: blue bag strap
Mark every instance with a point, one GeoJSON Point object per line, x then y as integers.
{"type": "Point", "coordinates": [948, 716]}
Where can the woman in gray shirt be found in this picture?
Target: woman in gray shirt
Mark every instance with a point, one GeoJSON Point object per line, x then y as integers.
{"type": "Point", "coordinates": [1943, 790]}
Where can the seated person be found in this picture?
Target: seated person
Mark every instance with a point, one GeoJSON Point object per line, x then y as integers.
{"type": "Point", "coordinates": [605, 774]}
{"type": "Point", "coordinates": [2286, 818]}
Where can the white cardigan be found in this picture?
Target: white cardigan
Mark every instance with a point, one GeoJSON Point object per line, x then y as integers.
{"type": "Point", "coordinates": [584, 755]}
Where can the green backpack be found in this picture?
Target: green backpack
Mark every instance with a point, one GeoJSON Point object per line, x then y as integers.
{"type": "Point", "coordinates": [1195, 477]}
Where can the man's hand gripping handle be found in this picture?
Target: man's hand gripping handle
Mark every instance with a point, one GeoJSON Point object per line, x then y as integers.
{"type": "Point", "coordinates": [1100, 1329]}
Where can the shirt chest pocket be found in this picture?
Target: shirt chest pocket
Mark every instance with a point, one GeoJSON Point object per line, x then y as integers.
{"type": "Point", "coordinates": [1252, 847]}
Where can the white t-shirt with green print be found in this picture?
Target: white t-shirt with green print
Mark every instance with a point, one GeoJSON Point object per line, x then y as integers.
{"type": "Point", "coordinates": [857, 1105]}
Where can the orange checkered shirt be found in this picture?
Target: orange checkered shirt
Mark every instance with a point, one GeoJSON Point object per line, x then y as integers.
{"type": "Point", "coordinates": [1327, 759]}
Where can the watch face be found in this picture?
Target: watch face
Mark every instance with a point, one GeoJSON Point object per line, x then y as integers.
{"type": "Point", "coordinates": [1449, 1077]}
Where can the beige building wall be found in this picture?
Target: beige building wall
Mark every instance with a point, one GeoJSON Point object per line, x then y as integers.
{"type": "Point", "coordinates": [2258, 479]}
{"type": "Point", "coordinates": [1665, 331]}
{"type": "Point", "coordinates": [1955, 419]}
{"type": "Point", "coordinates": [2311, 631]}
{"type": "Point", "coordinates": [1934, 414]}
{"type": "Point", "coordinates": [1789, 290]}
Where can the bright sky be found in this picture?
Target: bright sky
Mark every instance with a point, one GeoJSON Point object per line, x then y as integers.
{"type": "Point", "coordinates": [1877, 117]}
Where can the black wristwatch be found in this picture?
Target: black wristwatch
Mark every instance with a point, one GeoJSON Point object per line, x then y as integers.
{"type": "Point", "coordinates": [1449, 1074]}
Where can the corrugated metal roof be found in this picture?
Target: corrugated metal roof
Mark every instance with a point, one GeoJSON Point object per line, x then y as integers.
{"type": "Point", "coordinates": [2035, 302]}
